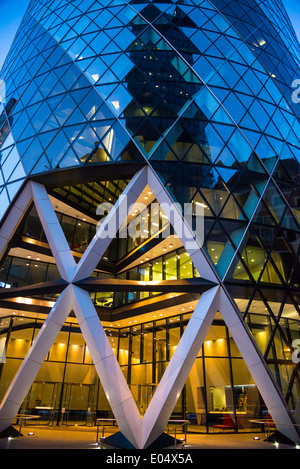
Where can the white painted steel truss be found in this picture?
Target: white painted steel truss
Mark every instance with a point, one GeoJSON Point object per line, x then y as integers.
{"type": "Point", "coordinates": [140, 431]}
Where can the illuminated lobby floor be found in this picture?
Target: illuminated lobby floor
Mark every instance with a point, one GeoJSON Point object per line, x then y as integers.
{"type": "Point", "coordinates": [85, 438]}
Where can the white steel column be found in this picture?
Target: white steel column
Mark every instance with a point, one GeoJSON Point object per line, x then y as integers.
{"type": "Point", "coordinates": [57, 241]}
{"type": "Point", "coordinates": [14, 217]}
{"type": "Point", "coordinates": [260, 372]}
{"type": "Point", "coordinates": [170, 387]}
{"type": "Point", "coordinates": [111, 376]}
{"type": "Point", "coordinates": [33, 361]}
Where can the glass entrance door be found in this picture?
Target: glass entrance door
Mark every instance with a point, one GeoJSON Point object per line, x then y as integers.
{"type": "Point", "coordinates": [72, 404]}
{"type": "Point", "coordinates": [78, 404]}
{"type": "Point", "coordinates": [143, 394]}
{"type": "Point", "coordinates": [43, 400]}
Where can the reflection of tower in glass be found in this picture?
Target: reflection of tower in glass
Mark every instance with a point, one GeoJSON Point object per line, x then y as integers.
{"type": "Point", "coordinates": [163, 85]}
{"type": "Point", "coordinates": [6, 121]}
{"type": "Point", "coordinates": [157, 83]}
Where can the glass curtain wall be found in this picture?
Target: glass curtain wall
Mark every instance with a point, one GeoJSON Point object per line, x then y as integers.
{"type": "Point", "coordinates": [219, 394]}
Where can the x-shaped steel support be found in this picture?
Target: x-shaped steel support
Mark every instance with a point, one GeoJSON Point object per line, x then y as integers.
{"type": "Point", "coordinates": [140, 431]}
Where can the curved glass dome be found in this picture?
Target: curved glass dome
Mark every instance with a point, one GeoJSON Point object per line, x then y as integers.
{"type": "Point", "coordinates": [99, 82]}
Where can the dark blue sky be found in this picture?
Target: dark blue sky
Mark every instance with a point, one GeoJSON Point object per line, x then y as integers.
{"type": "Point", "coordinates": [12, 12]}
{"type": "Point", "coordinates": [293, 9]}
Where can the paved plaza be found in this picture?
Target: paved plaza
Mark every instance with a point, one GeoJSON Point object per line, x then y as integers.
{"type": "Point", "coordinates": [83, 438]}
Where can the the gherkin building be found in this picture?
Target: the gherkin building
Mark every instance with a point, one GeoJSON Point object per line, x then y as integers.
{"type": "Point", "coordinates": [124, 125]}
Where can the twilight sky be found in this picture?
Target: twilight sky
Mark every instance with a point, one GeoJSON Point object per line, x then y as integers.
{"type": "Point", "coordinates": [12, 12]}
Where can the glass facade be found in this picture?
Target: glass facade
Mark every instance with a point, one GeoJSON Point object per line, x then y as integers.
{"type": "Point", "coordinates": [219, 383]}
{"type": "Point", "coordinates": [200, 92]}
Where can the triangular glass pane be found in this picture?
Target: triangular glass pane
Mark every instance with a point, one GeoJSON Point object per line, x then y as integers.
{"type": "Point", "coordinates": [131, 153]}
{"type": "Point", "coordinates": [216, 198]}
{"type": "Point", "coordinates": [239, 147]}
{"type": "Point", "coordinates": [283, 258]}
{"type": "Point", "coordinates": [214, 145]}
{"type": "Point", "coordinates": [231, 210]}
{"type": "Point", "coordinates": [99, 155]}
{"type": "Point", "coordinates": [274, 202]}
{"type": "Point", "coordinates": [199, 200]}
{"type": "Point", "coordinates": [42, 165]}
{"type": "Point", "coordinates": [31, 156]}
{"type": "Point", "coordinates": [196, 155]}
{"type": "Point", "coordinates": [57, 148]}
{"type": "Point", "coordinates": [244, 193]}
{"type": "Point", "coordinates": [266, 153]}
{"type": "Point", "coordinates": [252, 137]}
{"type": "Point", "coordinates": [270, 274]}
{"type": "Point", "coordinates": [235, 230]}
{"type": "Point", "coordinates": [147, 136]}
{"type": "Point", "coordinates": [290, 219]}
{"type": "Point", "coordinates": [255, 165]}
{"type": "Point", "coordinates": [228, 175]}
{"type": "Point", "coordinates": [249, 123]}
{"type": "Point", "coordinates": [260, 323]}
{"type": "Point", "coordinates": [226, 158]}
{"type": "Point", "coordinates": [253, 254]}
{"type": "Point", "coordinates": [219, 248]}
{"type": "Point", "coordinates": [263, 215]}
{"type": "Point", "coordinates": [238, 271]}
{"type": "Point", "coordinates": [69, 160]}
